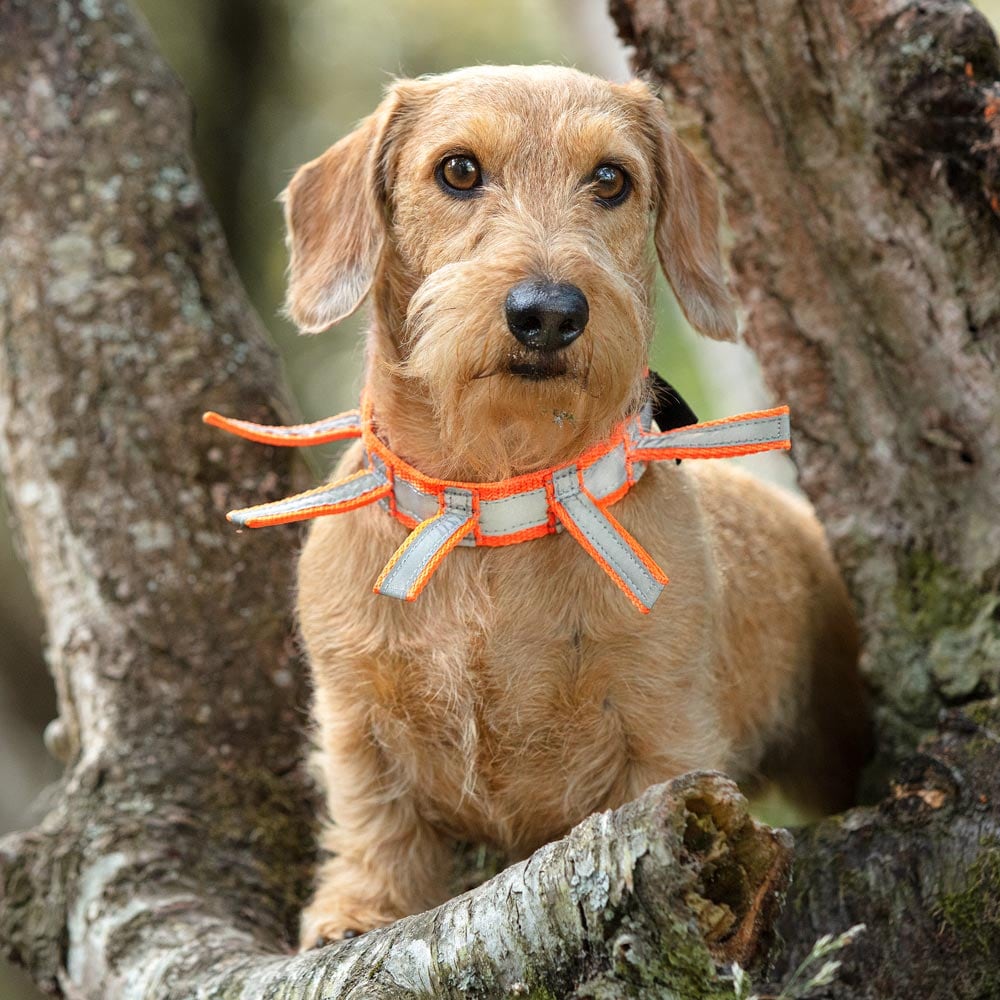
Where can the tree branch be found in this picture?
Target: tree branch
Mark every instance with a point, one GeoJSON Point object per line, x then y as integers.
{"type": "Point", "coordinates": [921, 870]}
{"type": "Point", "coordinates": [648, 898]}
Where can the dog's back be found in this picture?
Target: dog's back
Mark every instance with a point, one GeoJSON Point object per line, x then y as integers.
{"type": "Point", "coordinates": [787, 639]}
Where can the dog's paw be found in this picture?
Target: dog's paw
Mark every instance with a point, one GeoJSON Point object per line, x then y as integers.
{"type": "Point", "coordinates": [322, 925]}
{"type": "Point", "coordinates": [319, 933]}
{"type": "Point", "coordinates": [322, 938]}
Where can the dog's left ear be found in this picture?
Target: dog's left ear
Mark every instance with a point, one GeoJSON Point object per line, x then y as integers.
{"type": "Point", "coordinates": [687, 230]}
{"type": "Point", "coordinates": [335, 210]}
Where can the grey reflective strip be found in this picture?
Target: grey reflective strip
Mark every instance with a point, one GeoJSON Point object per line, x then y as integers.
{"type": "Point", "coordinates": [343, 421]}
{"type": "Point", "coordinates": [607, 474]}
{"type": "Point", "coordinates": [605, 538]}
{"type": "Point", "coordinates": [413, 502]}
{"type": "Point", "coordinates": [519, 511]}
{"type": "Point", "coordinates": [419, 549]}
{"type": "Point", "coordinates": [755, 430]}
{"type": "Point", "coordinates": [301, 502]}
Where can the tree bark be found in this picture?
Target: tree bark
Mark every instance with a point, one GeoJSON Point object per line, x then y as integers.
{"type": "Point", "coordinates": [859, 150]}
{"type": "Point", "coordinates": [176, 858]}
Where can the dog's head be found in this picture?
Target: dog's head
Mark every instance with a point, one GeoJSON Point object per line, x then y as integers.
{"type": "Point", "coordinates": [502, 219]}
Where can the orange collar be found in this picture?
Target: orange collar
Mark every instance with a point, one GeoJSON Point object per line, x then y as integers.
{"type": "Point", "coordinates": [442, 514]}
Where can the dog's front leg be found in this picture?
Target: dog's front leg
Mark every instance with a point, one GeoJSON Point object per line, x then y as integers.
{"type": "Point", "coordinates": [388, 861]}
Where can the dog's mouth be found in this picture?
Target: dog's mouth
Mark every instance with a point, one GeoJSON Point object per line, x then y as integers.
{"type": "Point", "coordinates": [538, 369]}
{"type": "Point", "coordinates": [531, 366]}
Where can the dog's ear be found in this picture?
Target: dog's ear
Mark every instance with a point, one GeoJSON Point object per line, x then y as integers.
{"type": "Point", "coordinates": [335, 215]}
{"type": "Point", "coordinates": [687, 230]}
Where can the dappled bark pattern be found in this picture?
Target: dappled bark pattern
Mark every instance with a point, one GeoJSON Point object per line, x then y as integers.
{"type": "Point", "coordinates": [859, 146]}
{"type": "Point", "coordinates": [175, 859]}
{"type": "Point", "coordinates": [121, 319]}
{"type": "Point", "coordinates": [859, 149]}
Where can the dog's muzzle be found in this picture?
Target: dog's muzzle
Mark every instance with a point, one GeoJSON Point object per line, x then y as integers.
{"type": "Point", "coordinates": [574, 497]}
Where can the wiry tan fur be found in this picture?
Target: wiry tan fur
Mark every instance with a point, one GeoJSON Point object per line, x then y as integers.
{"type": "Point", "coordinates": [522, 691]}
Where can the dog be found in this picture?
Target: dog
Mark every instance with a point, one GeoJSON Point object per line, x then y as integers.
{"type": "Point", "coordinates": [500, 221]}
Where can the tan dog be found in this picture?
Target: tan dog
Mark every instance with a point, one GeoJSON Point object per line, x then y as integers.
{"type": "Point", "coordinates": [521, 692]}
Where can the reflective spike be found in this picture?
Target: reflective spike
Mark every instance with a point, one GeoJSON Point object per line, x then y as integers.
{"type": "Point", "coordinates": [343, 425]}
{"type": "Point", "coordinates": [747, 434]}
{"type": "Point", "coordinates": [414, 562]}
{"type": "Point", "coordinates": [334, 498]}
{"type": "Point", "coordinates": [606, 541]}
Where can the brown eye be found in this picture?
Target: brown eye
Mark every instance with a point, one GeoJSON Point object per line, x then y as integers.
{"type": "Point", "coordinates": [611, 184]}
{"type": "Point", "coordinates": [460, 173]}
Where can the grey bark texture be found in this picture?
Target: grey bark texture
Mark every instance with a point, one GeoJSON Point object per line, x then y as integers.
{"type": "Point", "coordinates": [178, 849]}
{"type": "Point", "coordinates": [859, 149]}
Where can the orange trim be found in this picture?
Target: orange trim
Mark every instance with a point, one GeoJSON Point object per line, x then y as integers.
{"type": "Point", "coordinates": [524, 535]}
{"type": "Point", "coordinates": [550, 502]}
{"type": "Point", "coordinates": [720, 451]}
{"type": "Point", "coordinates": [266, 520]}
{"type": "Point", "coordinates": [265, 434]}
{"type": "Point", "coordinates": [777, 411]}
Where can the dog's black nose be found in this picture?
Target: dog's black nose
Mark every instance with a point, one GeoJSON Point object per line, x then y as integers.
{"type": "Point", "coordinates": [546, 316]}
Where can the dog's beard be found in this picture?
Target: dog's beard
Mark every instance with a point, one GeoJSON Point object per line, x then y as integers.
{"type": "Point", "coordinates": [502, 409]}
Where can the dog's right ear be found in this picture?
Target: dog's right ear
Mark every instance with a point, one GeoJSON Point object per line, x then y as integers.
{"type": "Point", "coordinates": [335, 211]}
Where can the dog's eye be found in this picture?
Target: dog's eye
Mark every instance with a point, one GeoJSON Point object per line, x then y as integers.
{"type": "Point", "coordinates": [460, 174]}
{"type": "Point", "coordinates": [611, 184]}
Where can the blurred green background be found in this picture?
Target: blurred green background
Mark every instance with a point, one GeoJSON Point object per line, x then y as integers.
{"type": "Point", "coordinates": [273, 83]}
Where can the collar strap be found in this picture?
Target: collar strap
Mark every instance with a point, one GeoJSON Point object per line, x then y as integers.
{"type": "Point", "coordinates": [572, 497]}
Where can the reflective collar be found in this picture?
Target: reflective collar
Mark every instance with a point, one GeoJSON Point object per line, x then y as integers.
{"type": "Point", "coordinates": [442, 514]}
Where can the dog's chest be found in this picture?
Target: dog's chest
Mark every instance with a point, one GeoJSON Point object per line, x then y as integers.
{"type": "Point", "coordinates": [521, 691]}
{"type": "Point", "coordinates": [507, 740]}
{"type": "Point", "coordinates": [514, 716]}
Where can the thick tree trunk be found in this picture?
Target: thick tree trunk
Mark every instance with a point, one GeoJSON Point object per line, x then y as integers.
{"type": "Point", "coordinates": [175, 860]}
{"type": "Point", "coordinates": [859, 148]}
